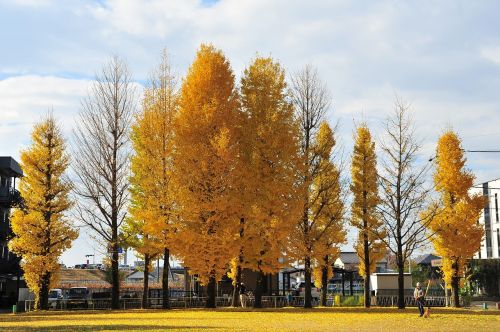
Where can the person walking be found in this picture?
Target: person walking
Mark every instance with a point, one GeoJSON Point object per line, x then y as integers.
{"type": "Point", "coordinates": [243, 295]}
{"type": "Point", "coordinates": [418, 294]}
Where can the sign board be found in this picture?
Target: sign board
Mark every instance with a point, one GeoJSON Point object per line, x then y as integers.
{"type": "Point", "coordinates": [436, 262]}
{"type": "Point", "coordinates": [110, 250]}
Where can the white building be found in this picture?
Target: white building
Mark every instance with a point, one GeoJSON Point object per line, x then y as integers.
{"type": "Point", "coordinates": [490, 220]}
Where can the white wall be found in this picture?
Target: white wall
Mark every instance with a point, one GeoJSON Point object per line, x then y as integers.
{"type": "Point", "coordinates": [389, 281]}
{"type": "Point", "coordinates": [494, 209]}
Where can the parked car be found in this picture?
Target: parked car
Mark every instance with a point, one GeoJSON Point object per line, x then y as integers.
{"type": "Point", "coordinates": [55, 296]}
{"type": "Point", "coordinates": [78, 297]}
{"type": "Point", "coordinates": [300, 290]}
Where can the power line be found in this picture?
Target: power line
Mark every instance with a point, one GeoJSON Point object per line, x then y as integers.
{"type": "Point", "coordinates": [471, 151]}
{"type": "Point", "coordinates": [483, 151]}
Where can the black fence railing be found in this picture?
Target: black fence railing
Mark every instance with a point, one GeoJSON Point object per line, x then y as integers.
{"type": "Point", "coordinates": [267, 302]}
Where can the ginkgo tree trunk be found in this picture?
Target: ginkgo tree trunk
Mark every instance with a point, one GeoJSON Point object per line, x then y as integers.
{"type": "Point", "coordinates": [42, 232]}
{"type": "Point", "coordinates": [205, 168]}
{"type": "Point", "coordinates": [456, 233]}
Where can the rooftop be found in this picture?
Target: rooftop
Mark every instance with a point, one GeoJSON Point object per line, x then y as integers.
{"type": "Point", "coordinates": [10, 167]}
{"type": "Point", "coordinates": [350, 257]}
{"type": "Point", "coordinates": [426, 259]}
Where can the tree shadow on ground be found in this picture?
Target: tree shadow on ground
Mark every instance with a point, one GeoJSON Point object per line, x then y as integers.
{"type": "Point", "coordinates": [116, 327]}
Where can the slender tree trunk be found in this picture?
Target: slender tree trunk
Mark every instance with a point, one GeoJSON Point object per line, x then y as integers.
{"type": "Point", "coordinates": [237, 281]}
{"type": "Point", "coordinates": [258, 290]}
{"type": "Point", "coordinates": [115, 278]}
{"type": "Point", "coordinates": [164, 280]}
{"type": "Point", "coordinates": [145, 292]}
{"type": "Point", "coordinates": [44, 292]}
{"type": "Point", "coordinates": [455, 285]}
{"type": "Point", "coordinates": [236, 288]}
{"type": "Point", "coordinates": [401, 280]}
{"type": "Point", "coordinates": [367, 272]}
{"type": "Point", "coordinates": [324, 283]}
{"type": "Point", "coordinates": [211, 293]}
{"type": "Point", "coordinates": [307, 282]}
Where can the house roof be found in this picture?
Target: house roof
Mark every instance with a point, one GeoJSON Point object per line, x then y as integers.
{"type": "Point", "coordinates": [10, 167]}
{"type": "Point", "coordinates": [426, 259]}
{"type": "Point", "coordinates": [350, 257]}
{"type": "Point", "coordinates": [81, 276]}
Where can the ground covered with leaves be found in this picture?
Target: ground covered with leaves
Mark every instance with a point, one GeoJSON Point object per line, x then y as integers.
{"type": "Point", "coordinates": [286, 319]}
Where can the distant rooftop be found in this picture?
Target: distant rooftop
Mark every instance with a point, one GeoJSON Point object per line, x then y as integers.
{"type": "Point", "coordinates": [78, 277]}
{"type": "Point", "coordinates": [426, 259]}
{"type": "Point", "coordinates": [350, 257]}
{"type": "Point", "coordinates": [10, 167]}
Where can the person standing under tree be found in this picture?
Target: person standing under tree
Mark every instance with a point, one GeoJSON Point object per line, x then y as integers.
{"type": "Point", "coordinates": [418, 294]}
{"type": "Point", "coordinates": [243, 295]}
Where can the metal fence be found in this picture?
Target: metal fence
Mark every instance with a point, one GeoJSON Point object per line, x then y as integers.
{"type": "Point", "coordinates": [267, 302]}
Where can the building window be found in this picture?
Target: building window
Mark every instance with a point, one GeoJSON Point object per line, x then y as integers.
{"type": "Point", "coordinates": [498, 242]}
{"type": "Point", "coordinates": [496, 206]}
{"type": "Point", "coordinates": [489, 251]}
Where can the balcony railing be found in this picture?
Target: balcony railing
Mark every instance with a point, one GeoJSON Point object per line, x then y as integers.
{"type": "Point", "coordinates": [9, 195]}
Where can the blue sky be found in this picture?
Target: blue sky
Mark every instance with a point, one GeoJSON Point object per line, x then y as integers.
{"type": "Point", "coordinates": [443, 57]}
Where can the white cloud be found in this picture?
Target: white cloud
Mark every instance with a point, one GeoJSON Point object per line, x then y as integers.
{"type": "Point", "coordinates": [25, 99]}
{"type": "Point", "coordinates": [32, 3]}
{"type": "Point", "coordinates": [491, 53]}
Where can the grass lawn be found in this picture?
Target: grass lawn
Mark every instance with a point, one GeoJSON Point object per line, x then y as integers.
{"type": "Point", "coordinates": [286, 319]}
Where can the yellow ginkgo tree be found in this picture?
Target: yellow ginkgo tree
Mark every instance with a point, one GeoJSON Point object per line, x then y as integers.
{"type": "Point", "coordinates": [206, 168]}
{"type": "Point", "coordinates": [456, 233]}
{"type": "Point", "coordinates": [364, 216]}
{"type": "Point", "coordinates": [42, 232]}
{"type": "Point", "coordinates": [151, 225]}
{"type": "Point", "coordinates": [328, 209]}
{"type": "Point", "coordinates": [269, 160]}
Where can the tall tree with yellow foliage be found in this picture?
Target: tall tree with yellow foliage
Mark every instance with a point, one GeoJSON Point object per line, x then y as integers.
{"type": "Point", "coordinates": [206, 163]}
{"type": "Point", "coordinates": [42, 232]}
{"type": "Point", "coordinates": [270, 160]}
{"type": "Point", "coordinates": [364, 216]}
{"type": "Point", "coordinates": [328, 210]}
{"type": "Point", "coordinates": [457, 234]}
{"type": "Point", "coordinates": [152, 209]}
{"type": "Point", "coordinates": [317, 240]}
{"type": "Point", "coordinates": [311, 100]}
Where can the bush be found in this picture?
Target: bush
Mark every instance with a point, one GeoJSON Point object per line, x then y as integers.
{"type": "Point", "coordinates": [348, 301]}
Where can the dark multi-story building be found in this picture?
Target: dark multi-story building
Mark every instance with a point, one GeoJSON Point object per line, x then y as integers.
{"type": "Point", "coordinates": [10, 271]}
